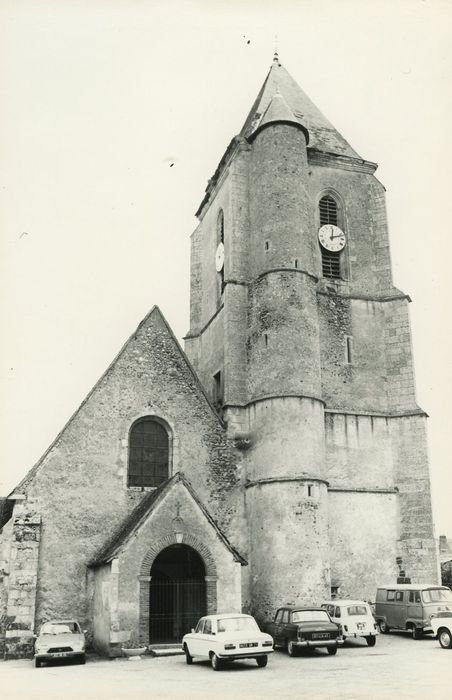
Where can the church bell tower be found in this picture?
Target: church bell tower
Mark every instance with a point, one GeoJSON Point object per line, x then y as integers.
{"type": "Point", "coordinates": [303, 344]}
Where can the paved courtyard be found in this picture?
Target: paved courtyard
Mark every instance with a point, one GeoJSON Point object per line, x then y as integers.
{"type": "Point", "coordinates": [397, 667]}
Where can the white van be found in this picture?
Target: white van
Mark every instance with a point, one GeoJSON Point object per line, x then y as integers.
{"type": "Point", "coordinates": [355, 617]}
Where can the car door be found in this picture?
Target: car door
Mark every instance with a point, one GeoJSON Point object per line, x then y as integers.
{"type": "Point", "coordinates": [208, 639]}
{"type": "Point", "coordinates": [277, 627]}
{"type": "Point", "coordinates": [195, 642]}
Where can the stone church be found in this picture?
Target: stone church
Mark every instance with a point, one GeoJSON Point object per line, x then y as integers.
{"type": "Point", "coordinates": [281, 457]}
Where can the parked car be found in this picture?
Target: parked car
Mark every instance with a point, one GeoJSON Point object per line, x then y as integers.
{"type": "Point", "coordinates": [410, 606]}
{"type": "Point", "coordinates": [60, 639]}
{"type": "Point", "coordinates": [304, 627]}
{"type": "Point", "coordinates": [355, 618]}
{"type": "Point", "coordinates": [227, 637]}
{"type": "Point", "coordinates": [442, 628]}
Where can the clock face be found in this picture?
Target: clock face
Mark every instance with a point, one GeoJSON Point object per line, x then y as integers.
{"type": "Point", "coordinates": [219, 257]}
{"type": "Point", "coordinates": [332, 237]}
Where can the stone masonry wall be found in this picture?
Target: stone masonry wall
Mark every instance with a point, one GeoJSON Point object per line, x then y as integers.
{"type": "Point", "coordinates": [365, 225]}
{"type": "Point", "coordinates": [417, 545]}
{"type": "Point", "coordinates": [5, 559]}
{"type": "Point", "coordinates": [80, 486]}
{"type": "Point", "coordinates": [345, 384]}
{"type": "Point", "coordinates": [363, 531]}
{"type": "Point", "coordinates": [23, 575]}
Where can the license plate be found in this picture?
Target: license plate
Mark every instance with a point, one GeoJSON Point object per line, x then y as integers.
{"type": "Point", "coordinates": [361, 625]}
{"type": "Point", "coordinates": [59, 653]}
{"type": "Point", "coordinates": [247, 644]}
{"type": "Point", "coordinates": [321, 636]}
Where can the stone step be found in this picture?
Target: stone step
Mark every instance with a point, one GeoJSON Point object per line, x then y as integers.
{"type": "Point", "coordinates": [165, 649]}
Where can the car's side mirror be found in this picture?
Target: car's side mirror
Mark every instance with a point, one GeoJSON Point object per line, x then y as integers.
{"type": "Point", "coordinates": [85, 631]}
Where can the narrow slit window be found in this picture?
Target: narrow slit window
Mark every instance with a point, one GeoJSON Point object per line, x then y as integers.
{"type": "Point", "coordinates": [309, 490]}
{"type": "Point", "coordinates": [349, 349]}
{"type": "Point", "coordinates": [218, 390]}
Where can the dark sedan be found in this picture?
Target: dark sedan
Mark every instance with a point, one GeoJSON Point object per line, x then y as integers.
{"type": "Point", "coordinates": [304, 627]}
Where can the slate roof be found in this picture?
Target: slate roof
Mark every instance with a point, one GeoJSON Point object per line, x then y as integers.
{"type": "Point", "coordinates": [322, 134]}
{"type": "Point", "coordinates": [278, 111]}
{"type": "Point", "coordinates": [112, 547]}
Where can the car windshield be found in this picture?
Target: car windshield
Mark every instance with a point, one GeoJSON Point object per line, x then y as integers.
{"type": "Point", "coordinates": [357, 610]}
{"type": "Point", "coordinates": [237, 624]}
{"type": "Point", "coordinates": [437, 595]}
{"type": "Point", "coordinates": [60, 628]}
{"type": "Point", "coordinates": [310, 616]}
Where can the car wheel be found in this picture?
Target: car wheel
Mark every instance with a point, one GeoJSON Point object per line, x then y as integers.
{"type": "Point", "coordinates": [384, 629]}
{"type": "Point", "coordinates": [332, 651]}
{"type": "Point", "coordinates": [416, 632]}
{"type": "Point", "coordinates": [445, 638]}
{"type": "Point", "coordinates": [215, 662]}
{"type": "Point", "coordinates": [371, 640]}
{"type": "Point", "coordinates": [262, 661]}
{"type": "Point", "coordinates": [188, 656]}
{"type": "Point", "coordinates": [82, 659]}
{"type": "Point", "coordinates": [292, 649]}
{"type": "Point", "coordinates": [38, 663]}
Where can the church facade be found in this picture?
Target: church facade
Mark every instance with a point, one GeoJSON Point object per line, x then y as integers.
{"type": "Point", "coordinates": [281, 458]}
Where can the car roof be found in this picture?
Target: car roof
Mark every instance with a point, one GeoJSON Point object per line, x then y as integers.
{"type": "Point", "coordinates": [60, 622]}
{"type": "Point", "coordinates": [221, 616]}
{"type": "Point", "coordinates": [344, 601]}
{"type": "Point", "coordinates": [300, 608]}
{"type": "Point", "coordinates": [412, 587]}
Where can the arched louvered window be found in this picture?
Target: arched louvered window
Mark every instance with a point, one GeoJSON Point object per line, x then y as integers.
{"type": "Point", "coordinates": [331, 260]}
{"type": "Point", "coordinates": [148, 453]}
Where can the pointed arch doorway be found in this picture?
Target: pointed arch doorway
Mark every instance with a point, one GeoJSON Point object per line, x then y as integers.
{"type": "Point", "coordinates": [177, 593]}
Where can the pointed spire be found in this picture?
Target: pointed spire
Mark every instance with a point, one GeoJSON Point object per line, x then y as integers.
{"type": "Point", "coordinates": [324, 137]}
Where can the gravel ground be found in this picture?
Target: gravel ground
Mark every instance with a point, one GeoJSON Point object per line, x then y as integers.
{"type": "Point", "coordinates": [397, 667]}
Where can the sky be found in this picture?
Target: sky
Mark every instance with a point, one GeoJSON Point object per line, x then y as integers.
{"type": "Point", "coordinates": [114, 114]}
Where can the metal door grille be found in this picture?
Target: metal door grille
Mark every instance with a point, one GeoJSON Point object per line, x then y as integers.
{"type": "Point", "coordinates": [175, 607]}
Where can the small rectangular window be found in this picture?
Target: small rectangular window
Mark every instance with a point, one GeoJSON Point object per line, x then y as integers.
{"type": "Point", "coordinates": [399, 596]}
{"type": "Point", "coordinates": [267, 245]}
{"type": "Point", "coordinates": [309, 490]}
{"type": "Point", "coordinates": [390, 595]}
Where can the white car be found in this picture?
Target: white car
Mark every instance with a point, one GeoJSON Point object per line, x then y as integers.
{"type": "Point", "coordinates": [442, 628]}
{"type": "Point", "coordinates": [227, 637]}
{"type": "Point", "coordinates": [355, 618]}
{"type": "Point", "coordinates": [60, 639]}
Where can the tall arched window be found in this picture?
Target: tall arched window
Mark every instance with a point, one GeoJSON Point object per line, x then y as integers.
{"type": "Point", "coordinates": [148, 453]}
{"type": "Point", "coordinates": [328, 214]}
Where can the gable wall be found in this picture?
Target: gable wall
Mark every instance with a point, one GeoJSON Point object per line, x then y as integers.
{"type": "Point", "coordinates": [80, 488]}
